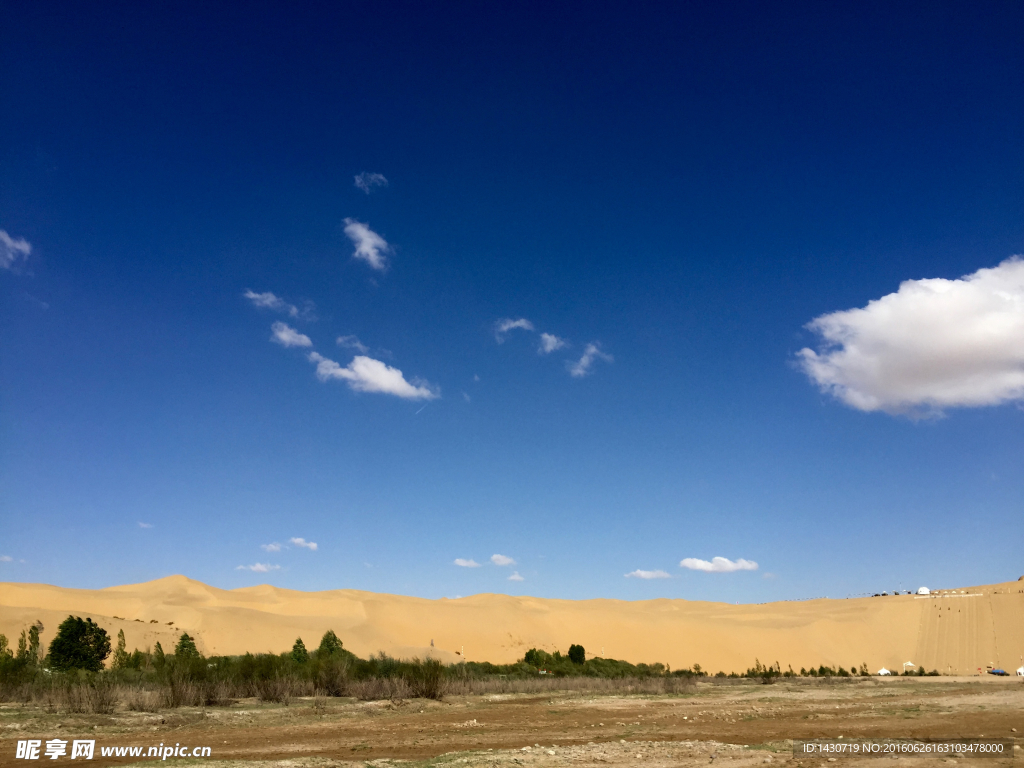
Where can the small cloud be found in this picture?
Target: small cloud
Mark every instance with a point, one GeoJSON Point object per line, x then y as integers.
{"type": "Point", "coordinates": [638, 574]}
{"type": "Point", "coordinates": [145, 525]}
{"type": "Point", "coordinates": [476, 377]}
{"type": "Point", "coordinates": [516, 577]}
{"type": "Point", "coordinates": [287, 336]}
{"type": "Point", "coordinates": [268, 300]}
{"type": "Point", "coordinates": [367, 181]}
{"type": "Point", "coordinates": [933, 344]}
{"type": "Point", "coordinates": [718, 565]}
{"type": "Point", "coordinates": [502, 560]}
{"type": "Point", "coordinates": [353, 342]}
{"type": "Point", "coordinates": [466, 397]}
{"type": "Point", "coordinates": [364, 374]}
{"type": "Point", "coordinates": [272, 547]}
{"type": "Point", "coordinates": [767, 575]}
{"type": "Point", "coordinates": [462, 562]}
{"type": "Point", "coordinates": [13, 250]}
{"type": "Point", "coordinates": [370, 247]}
{"type": "Point", "coordinates": [549, 343]}
{"type": "Point", "coordinates": [591, 353]}
{"type": "Point", "coordinates": [259, 568]}
{"type": "Point", "coordinates": [300, 542]}
{"type": "Point", "coordinates": [6, 559]}
{"type": "Point", "coordinates": [507, 324]}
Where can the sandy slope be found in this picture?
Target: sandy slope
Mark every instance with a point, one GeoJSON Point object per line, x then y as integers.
{"type": "Point", "coordinates": [954, 633]}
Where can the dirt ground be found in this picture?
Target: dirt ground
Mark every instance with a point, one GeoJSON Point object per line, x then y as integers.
{"type": "Point", "coordinates": [738, 725]}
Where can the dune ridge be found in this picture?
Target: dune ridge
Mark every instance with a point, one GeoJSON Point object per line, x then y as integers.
{"type": "Point", "coordinates": [955, 634]}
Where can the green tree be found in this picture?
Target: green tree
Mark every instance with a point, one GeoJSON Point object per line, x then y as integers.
{"type": "Point", "coordinates": [120, 660]}
{"type": "Point", "coordinates": [186, 648]}
{"type": "Point", "coordinates": [329, 644]}
{"type": "Point", "coordinates": [159, 659]}
{"type": "Point", "coordinates": [299, 652]}
{"type": "Point", "coordinates": [34, 655]}
{"type": "Point", "coordinates": [79, 645]}
{"type": "Point", "coordinates": [4, 650]}
{"type": "Point", "coordinates": [577, 654]}
{"type": "Point", "coordinates": [22, 654]}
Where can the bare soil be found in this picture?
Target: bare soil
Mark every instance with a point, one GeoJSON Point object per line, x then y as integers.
{"type": "Point", "coordinates": [738, 725]}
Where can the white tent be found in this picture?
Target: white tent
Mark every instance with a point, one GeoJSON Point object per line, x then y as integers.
{"type": "Point", "coordinates": [1020, 671]}
{"type": "Point", "coordinates": [884, 671]}
{"type": "Point", "coordinates": [923, 591]}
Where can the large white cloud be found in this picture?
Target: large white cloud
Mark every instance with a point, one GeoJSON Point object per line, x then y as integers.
{"type": "Point", "coordinates": [287, 336]}
{"type": "Point", "coordinates": [13, 250]}
{"type": "Point", "coordinates": [298, 541]}
{"type": "Point", "coordinates": [591, 354]}
{"type": "Point", "coordinates": [268, 300]}
{"type": "Point", "coordinates": [718, 565]}
{"type": "Point", "coordinates": [370, 247]}
{"type": "Point", "coordinates": [502, 560]}
{"type": "Point", "coordinates": [464, 563]}
{"type": "Point", "coordinates": [364, 374]}
{"type": "Point", "coordinates": [933, 344]}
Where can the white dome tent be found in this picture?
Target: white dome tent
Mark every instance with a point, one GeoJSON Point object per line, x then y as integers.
{"type": "Point", "coordinates": [884, 671]}
{"type": "Point", "coordinates": [1020, 671]}
{"type": "Point", "coordinates": [923, 591]}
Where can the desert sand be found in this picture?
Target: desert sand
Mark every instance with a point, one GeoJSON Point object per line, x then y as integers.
{"type": "Point", "coordinates": [954, 633]}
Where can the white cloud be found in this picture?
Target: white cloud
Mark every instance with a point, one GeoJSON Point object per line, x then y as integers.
{"type": "Point", "coordinates": [933, 344]}
{"type": "Point", "coordinates": [718, 565]}
{"type": "Point", "coordinates": [516, 577]}
{"type": "Point", "coordinates": [287, 336]}
{"type": "Point", "coordinates": [259, 567]}
{"type": "Point", "coordinates": [367, 181]}
{"type": "Point", "coordinates": [298, 541]}
{"type": "Point", "coordinates": [467, 398]}
{"type": "Point", "coordinates": [507, 324]}
{"type": "Point", "coordinates": [502, 560]}
{"type": "Point", "coordinates": [638, 574]}
{"type": "Point", "coordinates": [364, 374]}
{"type": "Point", "coordinates": [370, 247]}
{"type": "Point", "coordinates": [466, 563]}
{"type": "Point", "coordinates": [582, 367]}
{"type": "Point", "coordinates": [13, 250]}
{"type": "Point", "coordinates": [549, 343]}
{"type": "Point", "coordinates": [268, 300]}
{"type": "Point", "coordinates": [353, 342]}
{"type": "Point", "coordinates": [6, 558]}
{"type": "Point", "coordinates": [145, 525]}
{"type": "Point", "coordinates": [272, 547]}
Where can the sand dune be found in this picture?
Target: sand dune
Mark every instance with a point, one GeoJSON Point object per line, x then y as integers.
{"type": "Point", "coordinates": [952, 633]}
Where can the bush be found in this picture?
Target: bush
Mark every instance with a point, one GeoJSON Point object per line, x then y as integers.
{"type": "Point", "coordinates": [577, 655]}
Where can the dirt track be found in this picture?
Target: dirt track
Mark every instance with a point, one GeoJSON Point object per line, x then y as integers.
{"type": "Point", "coordinates": [579, 730]}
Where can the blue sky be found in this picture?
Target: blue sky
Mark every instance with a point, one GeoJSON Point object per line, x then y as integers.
{"type": "Point", "coordinates": [255, 267]}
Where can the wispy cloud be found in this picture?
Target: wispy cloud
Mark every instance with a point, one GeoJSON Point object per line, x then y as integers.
{"type": "Point", "coordinates": [718, 565]}
{"type": "Point", "coordinates": [639, 574]}
{"type": "Point", "coordinates": [370, 247]}
{"type": "Point", "coordinates": [367, 181]}
{"type": "Point", "coordinates": [272, 547]}
{"type": "Point", "coordinates": [364, 374]}
{"type": "Point", "coordinates": [507, 324]}
{"type": "Point", "coordinates": [298, 541]}
{"type": "Point", "coordinates": [549, 343]}
{"type": "Point", "coordinates": [933, 344]}
{"type": "Point", "coordinates": [516, 577]}
{"type": "Point", "coordinates": [502, 560]}
{"type": "Point", "coordinates": [259, 567]}
{"type": "Point", "coordinates": [585, 364]}
{"type": "Point", "coordinates": [268, 300]}
{"type": "Point", "coordinates": [145, 525]}
{"type": "Point", "coordinates": [353, 342]}
{"type": "Point", "coordinates": [13, 250]}
{"type": "Point", "coordinates": [6, 559]}
{"type": "Point", "coordinates": [287, 336]}
{"type": "Point", "coordinates": [460, 561]}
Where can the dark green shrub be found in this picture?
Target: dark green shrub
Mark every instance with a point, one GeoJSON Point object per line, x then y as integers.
{"type": "Point", "coordinates": [79, 645]}
{"type": "Point", "coordinates": [577, 654]}
{"type": "Point", "coordinates": [299, 652]}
